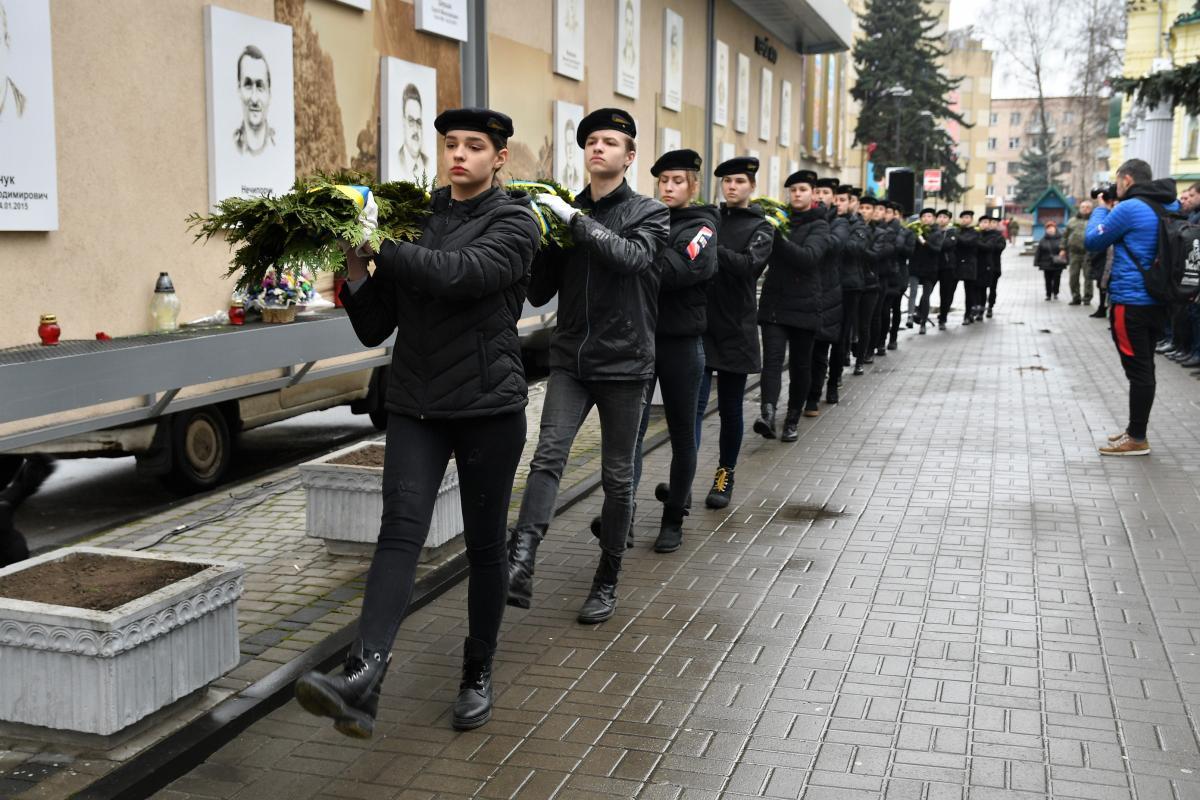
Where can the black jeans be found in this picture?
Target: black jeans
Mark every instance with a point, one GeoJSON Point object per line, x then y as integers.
{"type": "Point", "coordinates": [679, 366]}
{"type": "Point", "coordinates": [976, 296]}
{"type": "Point", "coordinates": [828, 359]}
{"type": "Point", "coordinates": [949, 284]}
{"type": "Point", "coordinates": [1052, 277]}
{"type": "Point", "coordinates": [486, 453]}
{"type": "Point", "coordinates": [731, 396]}
{"type": "Point", "coordinates": [888, 319]}
{"type": "Point", "coordinates": [1136, 330]}
{"type": "Point", "coordinates": [867, 317]}
{"type": "Point", "coordinates": [568, 401]}
{"type": "Point", "coordinates": [851, 303]}
{"type": "Point", "coordinates": [927, 285]}
{"type": "Point", "coordinates": [798, 346]}
{"type": "Point", "coordinates": [991, 301]}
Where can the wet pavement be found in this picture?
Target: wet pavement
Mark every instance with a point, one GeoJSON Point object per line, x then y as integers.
{"type": "Point", "coordinates": [939, 591]}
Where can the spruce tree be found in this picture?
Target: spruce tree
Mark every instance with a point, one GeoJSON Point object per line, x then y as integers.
{"type": "Point", "coordinates": [898, 48]}
{"type": "Point", "coordinates": [1038, 170]}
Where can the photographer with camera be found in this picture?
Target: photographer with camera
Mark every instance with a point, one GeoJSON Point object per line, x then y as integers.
{"type": "Point", "coordinates": [1131, 229]}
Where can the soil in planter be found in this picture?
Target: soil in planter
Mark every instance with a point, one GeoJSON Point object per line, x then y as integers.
{"type": "Point", "coordinates": [369, 456]}
{"type": "Point", "coordinates": [94, 582]}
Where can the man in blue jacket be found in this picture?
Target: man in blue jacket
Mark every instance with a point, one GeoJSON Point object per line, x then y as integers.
{"type": "Point", "coordinates": [1131, 229]}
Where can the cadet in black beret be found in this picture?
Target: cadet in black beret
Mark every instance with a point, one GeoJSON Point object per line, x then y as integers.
{"type": "Point", "coordinates": [605, 119]}
{"type": "Point", "coordinates": [931, 212]}
{"type": "Point", "coordinates": [867, 200]}
{"type": "Point", "coordinates": [843, 188]}
{"type": "Point", "coordinates": [741, 165]}
{"type": "Point", "coordinates": [497, 126]}
{"type": "Point", "coordinates": [855, 192]}
{"type": "Point", "coordinates": [676, 159]}
{"type": "Point", "coordinates": [827, 183]}
{"type": "Point", "coordinates": [944, 212]}
{"type": "Point", "coordinates": [966, 213]}
{"type": "Point", "coordinates": [801, 176]}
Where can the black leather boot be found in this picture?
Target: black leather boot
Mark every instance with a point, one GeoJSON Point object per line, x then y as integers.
{"type": "Point", "coordinates": [831, 394]}
{"type": "Point", "coordinates": [597, 527]}
{"type": "Point", "coordinates": [722, 488]}
{"type": "Point", "coordinates": [602, 599]}
{"type": "Point", "coordinates": [352, 698]}
{"type": "Point", "coordinates": [522, 552]}
{"type": "Point", "coordinates": [791, 428]}
{"type": "Point", "coordinates": [670, 532]}
{"type": "Point", "coordinates": [474, 704]}
{"type": "Point", "coordinates": [765, 424]}
{"type": "Point", "coordinates": [891, 345]}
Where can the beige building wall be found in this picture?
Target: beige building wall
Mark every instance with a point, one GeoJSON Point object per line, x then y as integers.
{"type": "Point", "coordinates": [131, 135]}
{"type": "Point", "coordinates": [968, 61]}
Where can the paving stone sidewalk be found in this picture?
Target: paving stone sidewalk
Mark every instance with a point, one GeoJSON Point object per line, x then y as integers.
{"type": "Point", "coordinates": [940, 591]}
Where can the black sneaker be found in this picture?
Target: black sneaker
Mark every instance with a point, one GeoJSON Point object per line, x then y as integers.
{"type": "Point", "coordinates": [989, 312]}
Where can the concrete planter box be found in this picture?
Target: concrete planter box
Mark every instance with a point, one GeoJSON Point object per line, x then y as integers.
{"type": "Point", "coordinates": [100, 671]}
{"type": "Point", "coordinates": [345, 503]}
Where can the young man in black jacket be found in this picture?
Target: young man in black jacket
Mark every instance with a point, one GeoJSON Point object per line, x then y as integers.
{"type": "Point", "coordinates": [731, 347]}
{"type": "Point", "coordinates": [947, 274]}
{"type": "Point", "coordinates": [885, 248]}
{"type": "Point", "coordinates": [827, 357]}
{"type": "Point", "coordinates": [789, 309]}
{"type": "Point", "coordinates": [966, 254]}
{"type": "Point", "coordinates": [868, 307]}
{"type": "Point", "coordinates": [993, 243]}
{"type": "Point", "coordinates": [601, 353]}
{"type": "Point", "coordinates": [926, 263]}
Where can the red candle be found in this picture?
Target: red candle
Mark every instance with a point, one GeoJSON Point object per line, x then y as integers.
{"type": "Point", "coordinates": [237, 314]}
{"type": "Point", "coordinates": [48, 330]}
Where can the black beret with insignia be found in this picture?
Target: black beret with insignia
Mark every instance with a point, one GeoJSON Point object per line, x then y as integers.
{"type": "Point", "coordinates": [855, 191]}
{"type": "Point", "coordinates": [742, 165]}
{"type": "Point", "coordinates": [867, 200]}
{"type": "Point", "coordinates": [844, 188]}
{"type": "Point", "coordinates": [925, 211]}
{"type": "Point", "coordinates": [967, 213]}
{"type": "Point", "coordinates": [827, 183]}
{"type": "Point", "coordinates": [605, 119]}
{"type": "Point", "coordinates": [483, 120]}
{"type": "Point", "coordinates": [801, 176]}
{"type": "Point", "coordinates": [944, 212]}
{"type": "Point", "coordinates": [676, 159]}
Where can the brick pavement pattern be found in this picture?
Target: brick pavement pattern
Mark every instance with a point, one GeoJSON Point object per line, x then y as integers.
{"type": "Point", "coordinates": [940, 591]}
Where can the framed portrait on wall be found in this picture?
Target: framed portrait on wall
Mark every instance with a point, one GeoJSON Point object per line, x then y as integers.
{"type": "Point", "coordinates": [720, 99]}
{"type": "Point", "coordinates": [568, 155]}
{"type": "Point", "coordinates": [568, 38]}
{"type": "Point", "coordinates": [741, 122]}
{"type": "Point", "coordinates": [785, 113]}
{"type": "Point", "coordinates": [669, 139]}
{"type": "Point", "coordinates": [251, 109]}
{"type": "Point", "coordinates": [628, 41]}
{"type": "Point", "coordinates": [28, 159]}
{"type": "Point", "coordinates": [408, 106]}
{"type": "Point", "coordinates": [766, 92]}
{"type": "Point", "coordinates": [672, 91]}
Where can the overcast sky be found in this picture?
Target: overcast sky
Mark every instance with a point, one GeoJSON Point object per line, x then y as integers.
{"type": "Point", "coordinates": [1006, 82]}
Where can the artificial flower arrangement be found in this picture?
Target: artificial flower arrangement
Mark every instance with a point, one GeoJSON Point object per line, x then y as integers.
{"type": "Point", "coordinates": [919, 228]}
{"type": "Point", "coordinates": [302, 229]}
{"type": "Point", "coordinates": [278, 289]}
{"type": "Point", "coordinates": [777, 213]}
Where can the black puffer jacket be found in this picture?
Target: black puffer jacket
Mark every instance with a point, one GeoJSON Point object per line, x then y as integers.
{"type": "Point", "coordinates": [791, 293]}
{"type": "Point", "coordinates": [949, 253]}
{"type": "Point", "coordinates": [454, 298]}
{"type": "Point", "coordinates": [831, 281]}
{"type": "Point", "coordinates": [883, 249]}
{"type": "Point", "coordinates": [686, 265]}
{"type": "Point", "coordinates": [991, 245]}
{"type": "Point", "coordinates": [869, 266]}
{"type": "Point", "coordinates": [927, 257]}
{"type": "Point", "coordinates": [607, 287]}
{"type": "Point", "coordinates": [731, 341]}
{"type": "Point", "coordinates": [966, 248]}
{"type": "Point", "coordinates": [853, 254]}
{"type": "Point", "coordinates": [1047, 251]}
{"type": "Point", "coordinates": [906, 244]}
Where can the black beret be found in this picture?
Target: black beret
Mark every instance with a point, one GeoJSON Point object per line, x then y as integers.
{"type": "Point", "coordinates": [867, 200]}
{"type": "Point", "coordinates": [855, 191]}
{"type": "Point", "coordinates": [802, 176]}
{"type": "Point", "coordinates": [605, 119]}
{"type": "Point", "coordinates": [925, 211]}
{"type": "Point", "coordinates": [944, 212]}
{"type": "Point", "coordinates": [742, 165]}
{"type": "Point", "coordinates": [891, 204]}
{"type": "Point", "coordinates": [483, 120]}
{"type": "Point", "coordinates": [966, 213]}
{"type": "Point", "coordinates": [676, 159]}
{"type": "Point", "coordinates": [828, 183]}
{"type": "Point", "coordinates": [843, 188]}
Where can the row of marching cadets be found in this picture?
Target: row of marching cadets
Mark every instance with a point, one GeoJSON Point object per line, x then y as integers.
{"type": "Point", "coordinates": [651, 293]}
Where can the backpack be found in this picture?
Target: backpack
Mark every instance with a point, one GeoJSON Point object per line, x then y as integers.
{"type": "Point", "coordinates": [1174, 274]}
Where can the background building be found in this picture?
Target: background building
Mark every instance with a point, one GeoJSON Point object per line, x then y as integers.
{"type": "Point", "coordinates": [1014, 126]}
{"type": "Point", "coordinates": [972, 65]}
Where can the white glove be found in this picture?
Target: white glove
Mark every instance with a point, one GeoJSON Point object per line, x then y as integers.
{"type": "Point", "coordinates": [561, 208]}
{"type": "Point", "coordinates": [369, 219]}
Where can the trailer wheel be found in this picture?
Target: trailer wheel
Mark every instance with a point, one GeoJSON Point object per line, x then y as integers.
{"type": "Point", "coordinates": [201, 450]}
